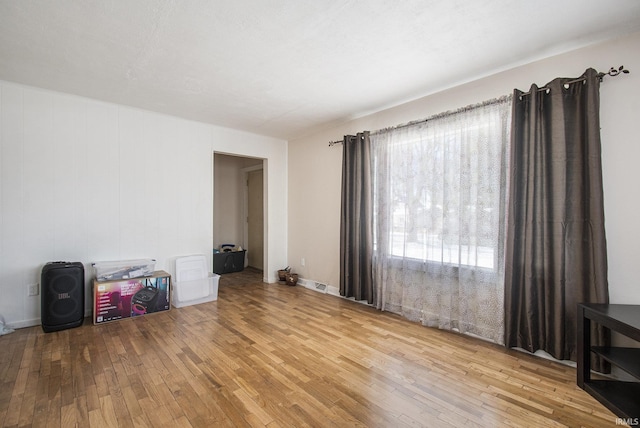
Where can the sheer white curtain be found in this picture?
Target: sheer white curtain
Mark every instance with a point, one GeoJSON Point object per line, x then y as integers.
{"type": "Point", "coordinates": [439, 214]}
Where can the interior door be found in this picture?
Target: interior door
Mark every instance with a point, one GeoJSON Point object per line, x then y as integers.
{"type": "Point", "coordinates": [255, 219]}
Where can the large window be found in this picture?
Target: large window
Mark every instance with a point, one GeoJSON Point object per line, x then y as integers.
{"type": "Point", "coordinates": [439, 219]}
{"type": "Point", "coordinates": [439, 188]}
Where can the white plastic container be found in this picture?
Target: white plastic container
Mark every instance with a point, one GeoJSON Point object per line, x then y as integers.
{"type": "Point", "coordinates": [123, 269]}
{"type": "Point", "coordinates": [193, 283]}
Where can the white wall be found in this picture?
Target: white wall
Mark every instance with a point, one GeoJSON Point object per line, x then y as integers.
{"type": "Point", "coordinates": [315, 169]}
{"type": "Point", "coordinates": [227, 200]}
{"type": "Point", "coordinates": [87, 181]}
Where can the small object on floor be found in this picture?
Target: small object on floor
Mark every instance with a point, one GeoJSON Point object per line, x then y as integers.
{"type": "Point", "coordinates": [4, 329]}
{"type": "Point", "coordinates": [282, 274]}
{"type": "Point", "coordinates": [292, 279]}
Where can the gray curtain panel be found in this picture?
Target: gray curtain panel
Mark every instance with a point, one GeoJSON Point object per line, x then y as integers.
{"type": "Point", "coordinates": [439, 204]}
{"type": "Point", "coordinates": [356, 219]}
{"type": "Point", "coordinates": [556, 251]}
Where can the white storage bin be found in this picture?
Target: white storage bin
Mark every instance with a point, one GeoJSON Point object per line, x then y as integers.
{"type": "Point", "coordinates": [193, 284]}
{"type": "Point", "coordinates": [124, 269]}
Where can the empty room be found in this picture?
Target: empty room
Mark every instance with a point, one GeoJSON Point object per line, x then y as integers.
{"type": "Point", "coordinates": [332, 213]}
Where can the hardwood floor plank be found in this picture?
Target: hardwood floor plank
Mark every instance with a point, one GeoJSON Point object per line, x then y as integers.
{"type": "Point", "coordinates": [81, 412]}
{"type": "Point", "coordinates": [92, 398]}
{"type": "Point", "coordinates": [28, 400]}
{"type": "Point", "coordinates": [278, 356]}
{"type": "Point", "coordinates": [68, 416]}
{"type": "Point", "coordinates": [256, 416]}
{"type": "Point", "coordinates": [54, 411]}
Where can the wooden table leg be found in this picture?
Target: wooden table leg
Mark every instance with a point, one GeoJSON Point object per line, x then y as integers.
{"type": "Point", "coordinates": [584, 347]}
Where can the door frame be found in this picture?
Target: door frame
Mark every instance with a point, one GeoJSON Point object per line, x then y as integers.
{"type": "Point", "coordinates": [245, 210]}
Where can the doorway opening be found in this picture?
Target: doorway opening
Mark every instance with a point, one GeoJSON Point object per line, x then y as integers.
{"type": "Point", "coordinates": [239, 206]}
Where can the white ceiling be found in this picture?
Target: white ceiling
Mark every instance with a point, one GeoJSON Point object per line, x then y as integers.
{"type": "Point", "coordinates": [286, 67]}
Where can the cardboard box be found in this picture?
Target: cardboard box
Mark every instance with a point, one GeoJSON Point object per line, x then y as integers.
{"type": "Point", "coordinates": [114, 300]}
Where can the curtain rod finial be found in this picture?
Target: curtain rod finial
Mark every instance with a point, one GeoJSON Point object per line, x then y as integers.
{"type": "Point", "coordinates": [613, 72]}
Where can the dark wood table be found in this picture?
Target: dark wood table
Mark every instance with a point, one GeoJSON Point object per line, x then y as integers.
{"type": "Point", "coordinates": [621, 397]}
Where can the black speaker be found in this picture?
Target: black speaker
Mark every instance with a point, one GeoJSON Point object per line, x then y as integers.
{"type": "Point", "coordinates": [62, 297]}
{"type": "Point", "coordinates": [144, 301]}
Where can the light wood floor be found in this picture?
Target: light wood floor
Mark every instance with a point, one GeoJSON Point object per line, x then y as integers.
{"type": "Point", "coordinates": [274, 355]}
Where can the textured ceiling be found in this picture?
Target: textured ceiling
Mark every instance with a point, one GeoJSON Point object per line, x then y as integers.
{"type": "Point", "coordinates": [286, 67]}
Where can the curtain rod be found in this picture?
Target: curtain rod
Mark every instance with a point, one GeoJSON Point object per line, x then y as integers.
{"type": "Point", "coordinates": [612, 72]}
{"type": "Point", "coordinates": [436, 116]}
